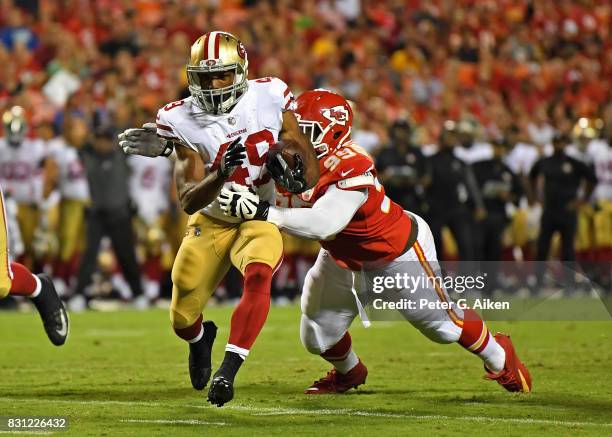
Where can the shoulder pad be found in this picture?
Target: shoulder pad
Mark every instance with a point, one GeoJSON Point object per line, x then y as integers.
{"type": "Point", "coordinates": [278, 90]}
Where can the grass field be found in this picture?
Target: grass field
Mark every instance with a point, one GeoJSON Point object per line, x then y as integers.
{"type": "Point", "coordinates": [125, 373]}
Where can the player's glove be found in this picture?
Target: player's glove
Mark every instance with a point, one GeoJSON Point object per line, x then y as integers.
{"type": "Point", "coordinates": [232, 158]}
{"type": "Point", "coordinates": [144, 141]}
{"type": "Point", "coordinates": [242, 202]}
{"type": "Point", "coordinates": [290, 179]}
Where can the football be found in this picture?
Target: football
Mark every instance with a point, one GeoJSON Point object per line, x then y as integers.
{"type": "Point", "coordinates": [287, 149]}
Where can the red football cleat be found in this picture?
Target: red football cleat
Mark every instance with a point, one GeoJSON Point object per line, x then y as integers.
{"type": "Point", "coordinates": [336, 382]}
{"type": "Point", "coordinates": [515, 376]}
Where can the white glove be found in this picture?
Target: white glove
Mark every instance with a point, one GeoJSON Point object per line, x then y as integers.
{"type": "Point", "coordinates": [242, 202]}
{"type": "Point", "coordinates": [144, 141]}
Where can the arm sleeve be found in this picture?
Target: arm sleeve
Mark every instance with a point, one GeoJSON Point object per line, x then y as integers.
{"type": "Point", "coordinates": [166, 130]}
{"type": "Point", "coordinates": [328, 216]}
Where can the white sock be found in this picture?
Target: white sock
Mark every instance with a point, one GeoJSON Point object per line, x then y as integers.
{"type": "Point", "coordinates": [38, 287]}
{"type": "Point", "coordinates": [493, 355]}
{"type": "Point", "coordinates": [345, 365]}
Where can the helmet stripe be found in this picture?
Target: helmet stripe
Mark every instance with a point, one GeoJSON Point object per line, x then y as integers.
{"type": "Point", "coordinates": [205, 46]}
{"type": "Point", "coordinates": [217, 41]}
{"type": "Point", "coordinates": [210, 48]}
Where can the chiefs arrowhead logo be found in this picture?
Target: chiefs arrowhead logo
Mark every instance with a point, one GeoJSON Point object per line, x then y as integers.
{"type": "Point", "coordinates": [337, 114]}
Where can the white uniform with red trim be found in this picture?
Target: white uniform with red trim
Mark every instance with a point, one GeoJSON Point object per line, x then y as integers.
{"type": "Point", "coordinates": [72, 182]}
{"type": "Point", "coordinates": [365, 236]}
{"type": "Point", "coordinates": [256, 118]}
{"type": "Point", "coordinates": [21, 172]}
{"type": "Point", "coordinates": [150, 186]}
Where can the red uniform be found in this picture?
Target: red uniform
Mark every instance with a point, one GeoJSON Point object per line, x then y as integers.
{"type": "Point", "coordinates": [380, 228]}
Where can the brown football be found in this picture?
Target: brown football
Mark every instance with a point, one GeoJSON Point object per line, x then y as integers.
{"type": "Point", "coordinates": [287, 149]}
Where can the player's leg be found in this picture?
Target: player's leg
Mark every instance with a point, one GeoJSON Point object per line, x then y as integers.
{"type": "Point", "coordinates": [449, 323]}
{"type": "Point", "coordinates": [28, 219]}
{"type": "Point", "coordinates": [122, 237]}
{"type": "Point", "coordinates": [16, 279]}
{"type": "Point", "coordinates": [71, 229]}
{"type": "Point", "coordinates": [328, 309]}
{"type": "Point", "coordinates": [200, 264]}
{"type": "Point", "coordinates": [256, 252]}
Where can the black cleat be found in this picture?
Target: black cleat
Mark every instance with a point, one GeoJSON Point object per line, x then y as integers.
{"type": "Point", "coordinates": [221, 391]}
{"type": "Point", "coordinates": [52, 311]}
{"type": "Point", "coordinates": [200, 366]}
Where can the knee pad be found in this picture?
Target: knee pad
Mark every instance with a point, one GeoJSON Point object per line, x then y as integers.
{"type": "Point", "coordinates": [442, 332]}
{"type": "Point", "coordinates": [184, 314]}
{"type": "Point", "coordinates": [310, 334]}
{"type": "Point", "coordinates": [319, 334]}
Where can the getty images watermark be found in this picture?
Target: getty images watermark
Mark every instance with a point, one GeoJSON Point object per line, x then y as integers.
{"type": "Point", "coordinates": [508, 290]}
{"type": "Point", "coordinates": [413, 284]}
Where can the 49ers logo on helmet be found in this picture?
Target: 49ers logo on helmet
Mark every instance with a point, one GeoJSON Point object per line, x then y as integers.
{"type": "Point", "coordinates": [337, 114]}
{"type": "Point", "coordinates": [241, 50]}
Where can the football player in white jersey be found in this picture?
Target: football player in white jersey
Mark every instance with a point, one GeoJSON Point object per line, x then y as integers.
{"type": "Point", "coordinates": [73, 188]}
{"type": "Point", "coordinates": [21, 172]}
{"type": "Point", "coordinates": [221, 134]}
{"type": "Point", "coordinates": [150, 182]}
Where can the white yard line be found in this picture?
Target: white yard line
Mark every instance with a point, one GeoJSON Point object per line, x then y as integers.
{"type": "Point", "coordinates": [278, 411]}
{"type": "Point", "coordinates": [173, 422]}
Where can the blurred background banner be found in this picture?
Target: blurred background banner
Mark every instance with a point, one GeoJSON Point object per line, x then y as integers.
{"type": "Point", "coordinates": [491, 119]}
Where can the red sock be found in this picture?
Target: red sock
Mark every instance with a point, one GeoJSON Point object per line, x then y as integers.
{"type": "Point", "coordinates": [252, 310]}
{"type": "Point", "coordinates": [190, 333]}
{"type": "Point", "coordinates": [476, 338]}
{"type": "Point", "coordinates": [341, 355]}
{"type": "Point", "coordinates": [24, 282]}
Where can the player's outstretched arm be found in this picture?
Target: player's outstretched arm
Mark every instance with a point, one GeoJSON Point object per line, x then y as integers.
{"type": "Point", "coordinates": [196, 189]}
{"type": "Point", "coordinates": [144, 141]}
{"type": "Point", "coordinates": [291, 131]}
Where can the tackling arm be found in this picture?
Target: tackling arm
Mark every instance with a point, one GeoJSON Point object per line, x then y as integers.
{"type": "Point", "coordinates": [328, 216]}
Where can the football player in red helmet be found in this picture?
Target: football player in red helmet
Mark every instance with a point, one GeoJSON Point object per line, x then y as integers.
{"type": "Point", "coordinates": [365, 235]}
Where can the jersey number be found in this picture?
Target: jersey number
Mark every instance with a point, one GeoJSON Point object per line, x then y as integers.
{"type": "Point", "coordinates": [261, 140]}
{"type": "Point", "coordinates": [345, 152]}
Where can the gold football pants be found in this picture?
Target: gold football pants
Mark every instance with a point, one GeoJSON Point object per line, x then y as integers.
{"type": "Point", "coordinates": [71, 228]}
{"type": "Point", "coordinates": [208, 249]}
{"type": "Point", "coordinates": [5, 269]}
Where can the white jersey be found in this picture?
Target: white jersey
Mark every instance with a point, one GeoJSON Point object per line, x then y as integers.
{"type": "Point", "coordinates": [256, 119]}
{"type": "Point", "coordinates": [479, 151]}
{"type": "Point", "coordinates": [150, 186]}
{"type": "Point", "coordinates": [600, 153]}
{"type": "Point", "coordinates": [521, 158]}
{"type": "Point", "coordinates": [72, 183]}
{"type": "Point", "coordinates": [21, 170]}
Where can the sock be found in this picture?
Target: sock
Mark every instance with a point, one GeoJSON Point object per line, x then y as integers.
{"type": "Point", "coordinates": [24, 282]}
{"type": "Point", "coordinates": [476, 338]}
{"type": "Point", "coordinates": [230, 365]}
{"type": "Point", "coordinates": [252, 310]}
{"type": "Point", "coordinates": [193, 333]}
{"type": "Point", "coordinates": [341, 355]}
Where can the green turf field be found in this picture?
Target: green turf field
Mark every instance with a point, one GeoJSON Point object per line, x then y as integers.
{"type": "Point", "coordinates": [125, 373]}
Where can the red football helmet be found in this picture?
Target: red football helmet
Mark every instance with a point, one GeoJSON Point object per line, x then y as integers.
{"type": "Point", "coordinates": [325, 118]}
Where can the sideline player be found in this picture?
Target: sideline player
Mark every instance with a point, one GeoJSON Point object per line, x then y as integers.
{"type": "Point", "coordinates": [364, 234]}
{"type": "Point", "coordinates": [16, 280]}
{"type": "Point", "coordinates": [221, 134]}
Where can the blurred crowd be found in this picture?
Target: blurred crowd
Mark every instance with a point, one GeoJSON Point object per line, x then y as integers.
{"type": "Point", "coordinates": [488, 79]}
